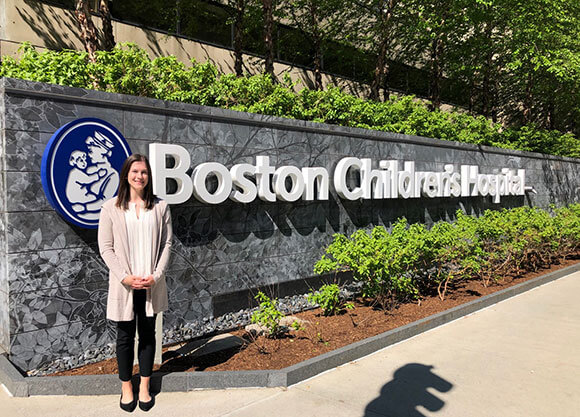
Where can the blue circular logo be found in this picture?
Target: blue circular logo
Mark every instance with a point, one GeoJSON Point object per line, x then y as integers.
{"type": "Point", "coordinates": [80, 169]}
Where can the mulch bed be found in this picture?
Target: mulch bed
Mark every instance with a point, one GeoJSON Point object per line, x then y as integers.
{"type": "Point", "coordinates": [322, 334]}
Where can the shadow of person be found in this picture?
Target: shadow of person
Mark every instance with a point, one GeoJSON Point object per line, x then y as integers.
{"type": "Point", "coordinates": [408, 389]}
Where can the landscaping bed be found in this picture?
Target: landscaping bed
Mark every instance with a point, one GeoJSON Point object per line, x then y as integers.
{"type": "Point", "coordinates": [320, 334]}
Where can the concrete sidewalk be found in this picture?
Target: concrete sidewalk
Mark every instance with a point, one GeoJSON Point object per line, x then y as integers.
{"type": "Point", "coordinates": [520, 357]}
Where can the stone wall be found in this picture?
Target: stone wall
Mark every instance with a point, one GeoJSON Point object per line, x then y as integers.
{"type": "Point", "coordinates": [4, 320]}
{"type": "Point", "coordinates": [53, 282]}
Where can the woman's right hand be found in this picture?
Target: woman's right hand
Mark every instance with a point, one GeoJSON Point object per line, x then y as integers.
{"type": "Point", "coordinates": [133, 281]}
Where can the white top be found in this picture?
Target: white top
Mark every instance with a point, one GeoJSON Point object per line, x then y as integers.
{"type": "Point", "coordinates": [139, 234]}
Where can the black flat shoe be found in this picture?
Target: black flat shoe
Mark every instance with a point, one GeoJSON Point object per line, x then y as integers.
{"type": "Point", "coordinates": [148, 405]}
{"type": "Point", "coordinates": [129, 407]}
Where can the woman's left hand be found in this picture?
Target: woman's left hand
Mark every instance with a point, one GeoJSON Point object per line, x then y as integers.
{"type": "Point", "coordinates": [147, 282]}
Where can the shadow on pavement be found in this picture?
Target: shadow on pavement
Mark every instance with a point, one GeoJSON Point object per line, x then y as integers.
{"type": "Point", "coordinates": [408, 389]}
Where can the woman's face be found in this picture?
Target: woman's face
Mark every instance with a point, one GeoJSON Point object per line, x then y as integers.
{"type": "Point", "coordinates": [138, 177]}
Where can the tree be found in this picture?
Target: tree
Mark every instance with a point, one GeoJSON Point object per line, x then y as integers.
{"type": "Point", "coordinates": [268, 12]}
{"type": "Point", "coordinates": [444, 23]}
{"type": "Point", "coordinates": [108, 37]}
{"type": "Point", "coordinates": [238, 10]}
{"type": "Point", "coordinates": [319, 20]}
{"type": "Point", "coordinates": [519, 60]}
{"type": "Point", "coordinates": [477, 58]}
{"type": "Point", "coordinates": [544, 62]}
{"type": "Point", "coordinates": [240, 7]}
{"type": "Point", "coordinates": [429, 34]}
{"type": "Point", "coordinates": [89, 33]}
{"type": "Point", "coordinates": [374, 26]}
{"type": "Point", "coordinates": [88, 30]}
{"type": "Point", "coordinates": [384, 28]}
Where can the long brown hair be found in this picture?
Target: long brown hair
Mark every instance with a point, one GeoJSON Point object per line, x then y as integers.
{"type": "Point", "coordinates": [124, 194]}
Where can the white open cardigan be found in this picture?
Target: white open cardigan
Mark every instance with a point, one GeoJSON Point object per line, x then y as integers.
{"type": "Point", "coordinates": [114, 248]}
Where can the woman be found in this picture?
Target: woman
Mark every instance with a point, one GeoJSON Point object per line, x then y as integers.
{"type": "Point", "coordinates": [134, 240]}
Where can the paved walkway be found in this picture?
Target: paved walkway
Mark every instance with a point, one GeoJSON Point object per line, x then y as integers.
{"type": "Point", "coordinates": [517, 358]}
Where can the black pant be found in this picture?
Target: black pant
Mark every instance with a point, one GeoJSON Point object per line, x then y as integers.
{"type": "Point", "coordinates": [126, 340]}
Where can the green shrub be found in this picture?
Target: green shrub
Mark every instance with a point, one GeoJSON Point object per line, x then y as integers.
{"type": "Point", "coordinates": [64, 67]}
{"type": "Point", "coordinates": [329, 300]}
{"type": "Point", "coordinates": [411, 260]}
{"type": "Point", "coordinates": [517, 240]}
{"type": "Point", "coordinates": [384, 262]}
{"type": "Point", "coordinates": [567, 223]}
{"type": "Point", "coordinates": [454, 252]}
{"type": "Point", "coordinates": [128, 69]}
{"type": "Point", "coordinates": [267, 314]}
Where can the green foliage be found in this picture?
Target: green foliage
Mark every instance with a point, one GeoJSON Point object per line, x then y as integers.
{"type": "Point", "coordinates": [64, 67]}
{"type": "Point", "coordinates": [267, 314]}
{"type": "Point", "coordinates": [524, 239]}
{"type": "Point", "coordinates": [410, 260]}
{"type": "Point", "coordinates": [329, 300]}
{"type": "Point", "coordinates": [381, 260]}
{"type": "Point", "coordinates": [129, 70]}
{"type": "Point", "coordinates": [296, 325]}
{"type": "Point", "coordinates": [454, 251]}
{"type": "Point", "coordinates": [567, 223]}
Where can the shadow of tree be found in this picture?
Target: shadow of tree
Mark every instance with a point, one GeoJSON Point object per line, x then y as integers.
{"type": "Point", "coordinates": [153, 41]}
{"type": "Point", "coordinates": [561, 185]}
{"type": "Point", "coordinates": [408, 390]}
{"type": "Point", "coordinates": [58, 31]}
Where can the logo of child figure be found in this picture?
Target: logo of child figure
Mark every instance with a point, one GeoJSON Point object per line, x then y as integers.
{"type": "Point", "coordinates": [80, 169]}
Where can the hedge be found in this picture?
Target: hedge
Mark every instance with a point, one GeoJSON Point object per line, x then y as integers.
{"type": "Point", "coordinates": [411, 260]}
{"type": "Point", "coordinates": [128, 70]}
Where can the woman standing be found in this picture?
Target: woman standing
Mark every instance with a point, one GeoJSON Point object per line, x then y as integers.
{"type": "Point", "coordinates": [134, 240]}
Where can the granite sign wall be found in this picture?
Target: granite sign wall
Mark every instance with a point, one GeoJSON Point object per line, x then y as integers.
{"type": "Point", "coordinates": [53, 281]}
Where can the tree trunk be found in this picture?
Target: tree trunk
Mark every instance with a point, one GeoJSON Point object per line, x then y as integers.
{"type": "Point", "coordinates": [239, 38]}
{"type": "Point", "coordinates": [317, 66]}
{"type": "Point", "coordinates": [494, 101]}
{"type": "Point", "coordinates": [88, 30]}
{"type": "Point", "coordinates": [380, 70]}
{"type": "Point", "coordinates": [267, 7]}
{"type": "Point", "coordinates": [381, 67]}
{"type": "Point", "coordinates": [527, 111]}
{"type": "Point", "coordinates": [108, 37]}
{"type": "Point", "coordinates": [551, 114]}
{"type": "Point", "coordinates": [436, 73]}
{"type": "Point", "coordinates": [317, 43]}
{"type": "Point", "coordinates": [386, 95]}
{"type": "Point", "coordinates": [471, 97]}
{"type": "Point", "coordinates": [486, 105]}
{"type": "Point", "coordinates": [485, 94]}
